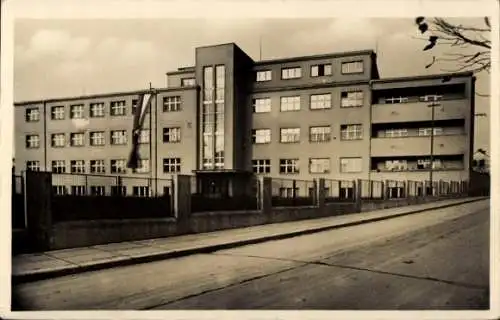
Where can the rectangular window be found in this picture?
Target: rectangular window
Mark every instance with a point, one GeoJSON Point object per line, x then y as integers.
{"type": "Point", "coordinates": [33, 165]}
{"type": "Point", "coordinates": [290, 103]}
{"type": "Point", "coordinates": [321, 70]}
{"type": "Point", "coordinates": [144, 136]}
{"type": "Point", "coordinates": [77, 139]}
{"type": "Point", "coordinates": [263, 75]}
{"type": "Point", "coordinates": [77, 166]}
{"type": "Point", "coordinates": [97, 138]}
{"type": "Point", "coordinates": [32, 141]}
{"type": "Point", "coordinates": [396, 165]}
{"type": "Point", "coordinates": [118, 166]}
{"type": "Point", "coordinates": [58, 140]}
{"type": "Point", "coordinates": [431, 98]}
{"type": "Point", "coordinates": [97, 190]}
{"type": "Point", "coordinates": [351, 132]}
{"type": "Point", "coordinates": [290, 135]}
{"type": "Point", "coordinates": [118, 137]}
{"type": "Point", "coordinates": [97, 110]}
{"type": "Point", "coordinates": [396, 133]}
{"type": "Point", "coordinates": [261, 105]}
{"type": "Point", "coordinates": [288, 166]}
{"type": "Point", "coordinates": [428, 131]}
{"type": "Point", "coordinates": [58, 166]}
{"type": "Point", "coordinates": [57, 113]}
{"type": "Point", "coordinates": [319, 165]}
{"type": "Point", "coordinates": [171, 104]}
{"type": "Point", "coordinates": [261, 136]}
{"type": "Point", "coordinates": [118, 190]}
{"type": "Point", "coordinates": [76, 111]}
{"type": "Point", "coordinates": [171, 165]}
{"type": "Point", "coordinates": [188, 82]}
{"type": "Point", "coordinates": [349, 165]}
{"type": "Point", "coordinates": [118, 108]}
{"type": "Point", "coordinates": [351, 99]}
{"type": "Point", "coordinates": [220, 83]}
{"type": "Point", "coordinates": [59, 190]}
{"type": "Point", "coordinates": [320, 134]}
{"type": "Point", "coordinates": [143, 166]}
{"type": "Point", "coordinates": [321, 101]}
{"type": "Point", "coordinates": [291, 73]}
{"type": "Point", "coordinates": [32, 115]}
{"type": "Point", "coordinates": [78, 190]}
{"type": "Point", "coordinates": [97, 166]}
{"type": "Point", "coordinates": [172, 135]}
{"type": "Point", "coordinates": [140, 191]}
{"type": "Point", "coordinates": [352, 67]}
{"type": "Point", "coordinates": [423, 164]}
{"type": "Point", "coordinates": [394, 100]}
{"type": "Point", "coordinates": [261, 165]}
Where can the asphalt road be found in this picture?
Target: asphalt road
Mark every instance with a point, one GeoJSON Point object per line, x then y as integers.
{"type": "Point", "coordinates": [435, 260]}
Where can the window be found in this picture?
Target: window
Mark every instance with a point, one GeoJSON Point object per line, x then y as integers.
{"type": "Point", "coordinates": [423, 164]}
{"type": "Point", "coordinates": [220, 82]}
{"type": "Point", "coordinates": [261, 105]}
{"type": "Point", "coordinates": [118, 137]}
{"type": "Point", "coordinates": [118, 108]}
{"type": "Point", "coordinates": [77, 139]}
{"type": "Point", "coordinates": [289, 166]}
{"type": "Point", "coordinates": [321, 70]}
{"type": "Point", "coordinates": [33, 165]}
{"type": "Point", "coordinates": [171, 165]}
{"type": "Point", "coordinates": [289, 135]}
{"type": "Point", "coordinates": [76, 111]}
{"type": "Point", "coordinates": [351, 99]}
{"type": "Point", "coordinates": [57, 113]}
{"type": "Point", "coordinates": [431, 98]}
{"type": "Point", "coordinates": [319, 165]}
{"type": "Point", "coordinates": [97, 166]}
{"type": "Point", "coordinates": [261, 165]}
{"type": "Point", "coordinates": [321, 101]}
{"type": "Point", "coordinates": [78, 190]}
{"type": "Point", "coordinates": [291, 73]}
{"type": "Point", "coordinates": [393, 100]}
{"type": "Point", "coordinates": [97, 190]}
{"type": "Point", "coordinates": [118, 190]}
{"type": "Point", "coordinates": [58, 140]}
{"type": "Point", "coordinates": [428, 131]}
{"type": "Point", "coordinates": [396, 165]}
{"type": "Point", "coordinates": [396, 133]}
{"type": "Point", "coordinates": [143, 166]}
{"type": "Point", "coordinates": [97, 138]}
{"type": "Point", "coordinates": [32, 115]}
{"type": "Point", "coordinates": [351, 132]}
{"type": "Point", "coordinates": [59, 190]}
{"type": "Point", "coordinates": [352, 67]}
{"type": "Point", "coordinates": [144, 136]}
{"type": "Point", "coordinates": [97, 110]}
{"type": "Point", "coordinates": [171, 104]}
{"type": "Point", "coordinates": [77, 166]}
{"type": "Point", "coordinates": [290, 103]}
{"type": "Point", "coordinates": [58, 166]}
{"type": "Point", "coordinates": [261, 136]}
{"type": "Point", "coordinates": [348, 165]}
{"type": "Point", "coordinates": [118, 166]}
{"type": "Point", "coordinates": [172, 135]}
{"type": "Point", "coordinates": [188, 82]}
{"type": "Point", "coordinates": [263, 75]}
{"type": "Point", "coordinates": [320, 134]}
{"type": "Point", "coordinates": [32, 141]}
{"type": "Point", "coordinates": [140, 191]}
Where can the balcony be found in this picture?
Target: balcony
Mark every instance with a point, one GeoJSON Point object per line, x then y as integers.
{"type": "Point", "coordinates": [419, 111]}
{"type": "Point", "coordinates": [419, 146]}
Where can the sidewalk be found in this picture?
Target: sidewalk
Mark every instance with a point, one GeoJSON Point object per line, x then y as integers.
{"type": "Point", "coordinates": [32, 267]}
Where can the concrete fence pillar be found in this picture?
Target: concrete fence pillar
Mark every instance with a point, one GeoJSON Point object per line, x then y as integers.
{"type": "Point", "coordinates": [358, 187]}
{"type": "Point", "coordinates": [320, 194]}
{"type": "Point", "coordinates": [39, 209]}
{"type": "Point", "coordinates": [182, 197]}
{"type": "Point", "coordinates": [385, 189]}
{"type": "Point", "coordinates": [266, 195]}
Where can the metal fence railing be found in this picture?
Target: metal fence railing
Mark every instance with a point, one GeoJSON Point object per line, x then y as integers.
{"type": "Point", "coordinates": [293, 192]}
{"type": "Point", "coordinates": [339, 190]}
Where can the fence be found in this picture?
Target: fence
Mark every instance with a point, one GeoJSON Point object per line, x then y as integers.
{"type": "Point", "coordinates": [339, 191]}
{"type": "Point", "coordinates": [18, 212]}
{"type": "Point", "coordinates": [292, 192]}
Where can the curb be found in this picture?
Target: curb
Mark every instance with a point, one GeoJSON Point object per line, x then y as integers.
{"type": "Point", "coordinates": [23, 278]}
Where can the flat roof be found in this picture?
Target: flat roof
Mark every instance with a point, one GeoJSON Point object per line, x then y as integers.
{"type": "Point", "coordinates": [316, 57]}
{"type": "Point", "coordinates": [424, 77]}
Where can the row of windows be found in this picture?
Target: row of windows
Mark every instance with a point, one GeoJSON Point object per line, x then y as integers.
{"type": "Point", "coordinates": [316, 165]}
{"type": "Point", "coordinates": [98, 138]}
{"type": "Point", "coordinates": [316, 134]}
{"type": "Point", "coordinates": [81, 190]}
{"type": "Point", "coordinates": [348, 99]}
{"type": "Point", "coordinates": [97, 109]}
{"type": "Point", "coordinates": [421, 132]}
{"type": "Point", "coordinates": [401, 99]}
{"type": "Point", "coordinates": [420, 164]}
{"type": "Point", "coordinates": [318, 70]}
{"type": "Point", "coordinates": [170, 165]}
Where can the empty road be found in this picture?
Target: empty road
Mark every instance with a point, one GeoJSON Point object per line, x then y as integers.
{"type": "Point", "coordinates": [432, 260]}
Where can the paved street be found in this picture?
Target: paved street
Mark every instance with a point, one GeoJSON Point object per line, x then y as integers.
{"type": "Point", "coordinates": [431, 260]}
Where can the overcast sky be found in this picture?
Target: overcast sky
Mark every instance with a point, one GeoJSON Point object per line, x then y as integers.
{"type": "Point", "coordinates": [58, 58]}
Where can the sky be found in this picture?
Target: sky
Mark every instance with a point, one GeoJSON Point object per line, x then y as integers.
{"type": "Point", "coordinates": [58, 58]}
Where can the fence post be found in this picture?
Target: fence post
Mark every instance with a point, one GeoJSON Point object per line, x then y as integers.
{"type": "Point", "coordinates": [39, 209]}
{"type": "Point", "coordinates": [182, 199]}
{"type": "Point", "coordinates": [386, 189]}
{"type": "Point", "coordinates": [266, 195]}
{"type": "Point", "coordinates": [320, 194]}
{"type": "Point", "coordinates": [357, 194]}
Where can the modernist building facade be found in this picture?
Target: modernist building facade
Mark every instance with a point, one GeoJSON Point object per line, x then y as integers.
{"type": "Point", "coordinates": [323, 116]}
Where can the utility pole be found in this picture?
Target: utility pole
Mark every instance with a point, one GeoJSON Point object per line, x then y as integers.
{"type": "Point", "coordinates": [433, 115]}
